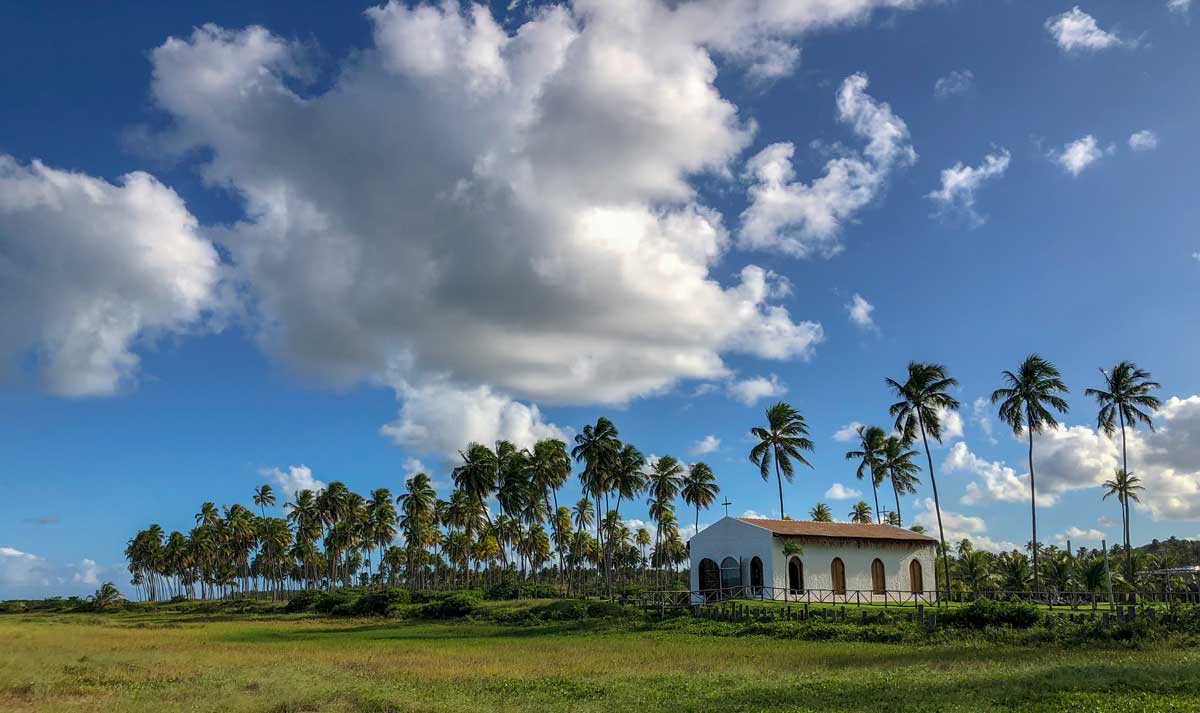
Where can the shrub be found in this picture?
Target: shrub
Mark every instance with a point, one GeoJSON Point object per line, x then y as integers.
{"type": "Point", "coordinates": [986, 612]}
{"type": "Point", "coordinates": [562, 610]}
{"type": "Point", "coordinates": [513, 589]}
{"type": "Point", "coordinates": [328, 601]}
{"type": "Point", "coordinates": [452, 606]}
{"type": "Point", "coordinates": [380, 602]}
{"type": "Point", "coordinates": [604, 610]}
{"type": "Point", "coordinates": [304, 600]}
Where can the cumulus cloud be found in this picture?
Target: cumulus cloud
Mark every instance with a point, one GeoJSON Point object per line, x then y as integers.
{"type": "Point", "coordinates": [957, 82]}
{"type": "Point", "coordinates": [805, 220]}
{"type": "Point", "coordinates": [1078, 155]}
{"type": "Point", "coordinates": [1144, 140]}
{"type": "Point", "coordinates": [997, 481]}
{"type": "Point", "coordinates": [706, 445]}
{"type": "Point", "coordinates": [441, 419]}
{"type": "Point", "coordinates": [750, 391]}
{"type": "Point", "coordinates": [958, 527]}
{"type": "Point", "coordinates": [1179, 6]}
{"type": "Point", "coordinates": [24, 575]}
{"type": "Point", "coordinates": [847, 433]}
{"type": "Point", "coordinates": [1077, 31]}
{"type": "Point", "coordinates": [982, 417]}
{"type": "Point", "coordinates": [960, 182]}
{"type": "Point", "coordinates": [293, 480]}
{"type": "Point", "coordinates": [837, 491]}
{"type": "Point", "coordinates": [509, 208]}
{"type": "Point", "coordinates": [88, 268]}
{"type": "Point", "coordinates": [1075, 534]}
{"type": "Point", "coordinates": [860, 311]}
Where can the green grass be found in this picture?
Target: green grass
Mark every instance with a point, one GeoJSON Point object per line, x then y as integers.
{"type": "Point", "coordinates": [287, 664]}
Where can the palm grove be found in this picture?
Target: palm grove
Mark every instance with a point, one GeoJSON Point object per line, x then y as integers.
{"type": "Point", "coordinates": [336, 537]}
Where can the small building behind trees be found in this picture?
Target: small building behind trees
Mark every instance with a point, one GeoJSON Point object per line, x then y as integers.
{"type": "Point", "coordinates": [812, 561]}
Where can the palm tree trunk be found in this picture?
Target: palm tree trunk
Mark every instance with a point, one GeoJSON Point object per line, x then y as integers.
{"type": "Point", "coordinates": [1128, 509]}
{"type": "Point", "coordinates": [875, 490]}
{"type": "Point", "coordinates": [779, 480]}
{"type": "Point", "coordinates": [1033, 504]}
{"type": "Point", "coordinates": [897, 494]}
{"type": "Point", "coordinates": [937, 506]}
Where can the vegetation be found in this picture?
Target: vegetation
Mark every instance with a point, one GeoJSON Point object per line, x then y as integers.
{"type": "Point", "coordinates": [156, 662]}
{"type": "Point", "coordinates": [783, 440]}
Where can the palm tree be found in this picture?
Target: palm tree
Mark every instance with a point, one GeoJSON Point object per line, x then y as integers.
{"type": "Point", "coordinates": [861, 514]}
{"type": "Point", "coordinates": [1125, 486]}
{"type": "Point", "coordinates": [1014, 571]}
{"type": "Point", "coordinates": [264, 498]}
{"type": "Point", "coordinates": [898, 464]}
{"type": "Point", "coordinates": [597, 447]}
{"type": "Point", "coordinates": [974, 570]}
{"type": "Point", "coordinates": [922, 396]}
{"type": "Point", "coordinates": [870, 456]}
{"type": "Point", "coordinates": [785, 436]}
{"type": "Point", "coordinates": [381, 516]}
{"type": "Point", "coordinates": [417, 520]}
{"type": "Point", "coordinates": [106, 596]}
{"type": "Point", "coordinates": [476, 477]}
{"type": "Point", "coordinates": [700, 489]}
{"type": "Point", "coordinates": [1124, 401]}
{"type": "Point", "coordinates": [1023, 406]}
{"type": "Point", "coordinates": [820, 513]}
{"type": "Point", "coordinates": [664, 480]}
{"type": "Point", "coordinates": [550, 467]}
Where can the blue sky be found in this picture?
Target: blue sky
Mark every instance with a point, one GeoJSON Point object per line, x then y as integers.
{"type": "Point", "coordinates": [462, 224]}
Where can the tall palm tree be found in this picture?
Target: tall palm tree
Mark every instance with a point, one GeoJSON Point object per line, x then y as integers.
{"type": "Point", "coordinates": [1025, 405]}
{"type": "Point", "coordinates": [1125, 400]}
{"type": "Point", "coordinates": [861, 513]}
{"type": "Point", "coordinates": [381, 515]}
{"type": "Point", "coordinates": [820, 513]}
{"type": "Point", "coordinates": [1125, 486]}
{"type": "Point", "coordinates": [782, 441]}
{"type": "Point", "coordinates": [898, 464]}
{"type": "Point", "coordinates": [870, 456]}
{"type": "Point", "coordinates": [597, 447]}
{"type": "Point", "coordinates": [550, 467]}
{"type": "Point", "coordinates": [417, 520]}
{"type": "Point", "coordinates": [663, 481]}
{"type": "Point", "coordinates": [922, 396]}
{"type": "Point", "coordinates": [477, 477]}
{"type": "Point", "coordinates": [264, 498]}
{"type": "Point", "coordinates": [700, 489]}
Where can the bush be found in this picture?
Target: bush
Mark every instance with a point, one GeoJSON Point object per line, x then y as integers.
{"type": "Point", "coordinates": [303, 601]}
{"type": "Point", "coordinates": [513, 589]}
{"type": "Point", "coordinates": [452, 606]}
{"type": "Point", "coordinates": [563, 610]}
{"type": "Point", "coordinates": [605, 610]}
{"type": "Point", "coordinates": [328, 601]}
{"type": "Point", "coordinates": [381, 602]}
{"type": "Point", "coordinates": [986, 612]}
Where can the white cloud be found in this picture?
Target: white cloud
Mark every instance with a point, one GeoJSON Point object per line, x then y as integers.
{"type": "Point", "coordinates": [847, 433]}
{"type": "Point", "coordinates": [26, 576]}
{"type": "Point", "coordinates": [952, 425]}
{"type": "Point", "coordinates": [860, 311]}
{"type": "Point", "coordinates": [997, 480]}
{"type": "Point", "coordinates": [837, 491]}
{"type": "Point", "coordinates": [440, 418]}
{"type": "Point", "coordinates": [1075, 535]}
{"type": "Point", "coordinates": [957, 82]}
{"type": "Point", "coordinates": [1078, 155]}
{"type": "Point", "coordinates": [412, 466]}
{"type": "Point", "coordinates": [1179, 6]}
{"type": "Point", "coordinates": [1077, 31]}
{"type": "Point", "coordinates": [90, 268]}
{"type": "Point", "coordinates": [960, 182]}
{"type": "Point", "coordinates": [755, 515]}
{"type": "Point", "coordinates": [708, 444]}
{"type": "Point", "coordinates": [805, 220]}
{"type": "Point", "coordinates": [958, 526]}
{"type": "Point", "coordinates": [1104, 521]}
{"type": "Point", "coordinates": [294, 479]}
{"type": "Point", "coordinates": [1144, 140]}
{"type": "Point", "coordinates": [505, 208]}
{"type": "Point", "coordinates": [750, 391]}
{"type": "Point", "coordinates": [981, 416]}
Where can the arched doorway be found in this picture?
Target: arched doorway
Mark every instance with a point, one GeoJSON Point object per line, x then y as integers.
{"type": "Point", "coordinates": [837, 570]}
{"type": "Point", "coordinates": [795, 576]}
{"type": "Point", "coordinates": [878, 578]}
{"type": "Point", "coordinates": [916, 578]}
{"type": "Point", "coordinates": [731, 573]}
{"type": "Point", "coordinates": [756, 575]}
{"type": "Point", "coordinates": [710, 576]}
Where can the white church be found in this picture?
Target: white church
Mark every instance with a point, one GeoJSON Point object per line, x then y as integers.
{"type": "Point", "coordinates": [791, 560]}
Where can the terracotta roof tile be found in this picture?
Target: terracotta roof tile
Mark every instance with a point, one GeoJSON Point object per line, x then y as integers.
{"type": "Point", "coordinates": [800, 528]}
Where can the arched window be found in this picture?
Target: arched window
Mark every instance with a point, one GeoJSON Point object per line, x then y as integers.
{"type": "Point", "coordinates": [878, 579]}
{"type": "Point", "coordinates": [756, 574]}
{"type": "Point", "coordinates": [710, 576]}
{"type": "Point", "coordinates": [838, 570]}
{"type": "Point", "coordinates": [795, 576]}
{"type": "Point", "coordinates": [731, 573]}
{"type": "Point", "coordinates": [916, 578]}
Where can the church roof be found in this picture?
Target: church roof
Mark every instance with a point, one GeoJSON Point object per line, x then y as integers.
{"type": "Point", "coordinates": [800, 528]}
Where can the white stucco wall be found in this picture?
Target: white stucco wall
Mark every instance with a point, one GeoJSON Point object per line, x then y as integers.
{"type": "Point", "coordinates": [730, 537]}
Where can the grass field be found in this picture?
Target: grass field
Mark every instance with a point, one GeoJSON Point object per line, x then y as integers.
{"type": "Point", "coordinates": [286, 664]}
